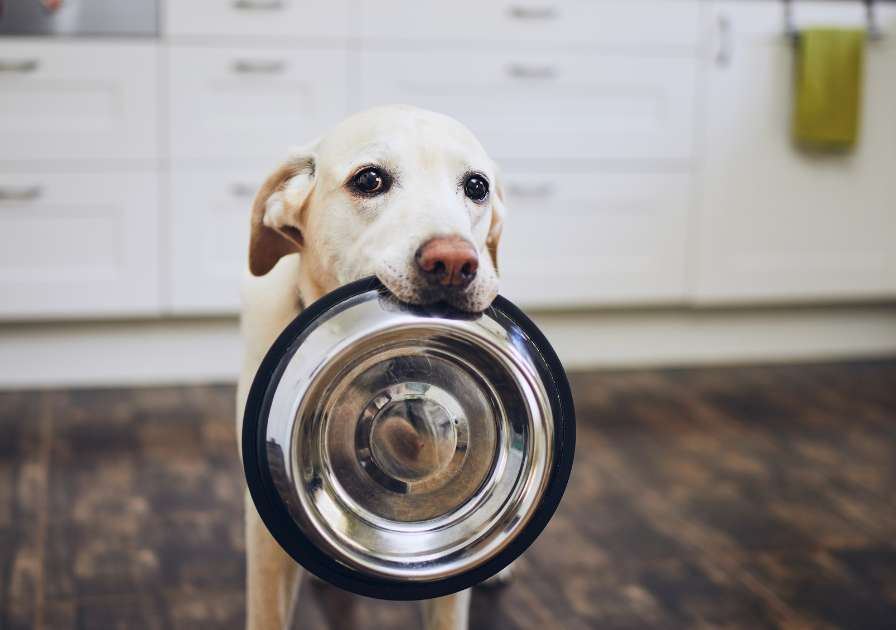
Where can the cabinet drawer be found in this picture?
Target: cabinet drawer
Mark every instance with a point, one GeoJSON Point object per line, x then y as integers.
{"type": "Point", "coordinates": [209, 236]}
{"type": "Point", "coordinates": [237, 104]}
{"type": "Point", "coordinates": [78, 244]}
{"type": "Point", "coordinates": [548, 105]}
{"type": "Point", "coordinates": [78, 100]}
{"type": "Point", "coordinates": [594, 238]}
{"type": "Point", "coordinates": [636, 23]}
{"type": "Point", "coordinates": [261, 18]}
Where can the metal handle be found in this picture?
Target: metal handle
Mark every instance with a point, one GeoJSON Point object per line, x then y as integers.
{"type": "Point", "coordinates": [790, 29]}
{"type": "Point", "coordinates": [725, 50]}
{"type": "Point", "coordinates": [260, 66]}
{"type": "Point", "coordinates": [21, 66]}
{"type": "Point", "coordinates": [537, 191]}
{"type": "Point", "coordinates": [526, 71]}
{"type": "Point", "coordinates": [242, 189]}
{"type": "Point", "coordinates": [532, 13]}
{"type": "Point", "coordinates": [873, 28]}
{"type": "Point", "coordinates": [25, 193]}
{"type": "Point", "coordinates": [259, 5]}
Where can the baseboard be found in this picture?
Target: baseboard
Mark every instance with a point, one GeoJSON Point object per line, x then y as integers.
{"type": "Point", "coordinates": [119, 353]}
{"type": "Point", "coordinates": [721, 336]}
{"type": "Point", "coordinates": [207, 350]}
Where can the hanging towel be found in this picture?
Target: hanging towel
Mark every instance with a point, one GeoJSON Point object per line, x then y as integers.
{"type": "Point", "coordinates": [828, 95]}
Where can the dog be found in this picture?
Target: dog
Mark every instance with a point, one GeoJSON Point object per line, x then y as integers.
{"type": "Point", "coordinates": [398, 192]}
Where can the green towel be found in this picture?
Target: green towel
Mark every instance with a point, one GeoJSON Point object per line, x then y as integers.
{"type": "Point", "coordinates": [828, 88]}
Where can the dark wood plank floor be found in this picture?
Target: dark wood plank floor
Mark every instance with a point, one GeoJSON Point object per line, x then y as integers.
{"type": "Point", "coordinates": [714, 498]}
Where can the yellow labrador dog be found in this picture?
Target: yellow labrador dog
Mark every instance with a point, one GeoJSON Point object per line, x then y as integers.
{"type": "Point", "coordinates": [404, 194]}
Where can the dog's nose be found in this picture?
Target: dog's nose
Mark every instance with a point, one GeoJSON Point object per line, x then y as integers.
{"type": "Point", "coordinates": [450, 261]}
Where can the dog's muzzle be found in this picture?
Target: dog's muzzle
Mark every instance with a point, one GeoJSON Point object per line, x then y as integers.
{"type": "Point", "coordinates": [407, 452]}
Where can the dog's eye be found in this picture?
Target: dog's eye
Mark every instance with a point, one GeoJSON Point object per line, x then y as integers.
{"type": "Point", "coordinates": [476, 187]}
{"type": "Point", "coordinates": [371, 181]}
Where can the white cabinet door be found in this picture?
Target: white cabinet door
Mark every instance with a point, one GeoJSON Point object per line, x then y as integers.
{"type": "Point", "coordinates": [548, 105]}
{"type": "Point", "coordinates": [78, 100]}
{"type": "Point", "coordinates": [258, 18]}
{"type": "Point", "coordinates": [775, 223]}
{"type": "Point", "coordinates": [78, 244]}
{"type": "Point", "coordinates": [209, 236]}
{"type": "Point", "coordinates": [594, 238]}
{"type": "Point", "coordinates": [634, 23]}
{"type": "Point", "coordinates": [229, 104]}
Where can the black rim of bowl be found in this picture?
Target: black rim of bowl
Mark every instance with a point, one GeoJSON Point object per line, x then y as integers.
{"type": "Point", "coordinates": [287, 533]}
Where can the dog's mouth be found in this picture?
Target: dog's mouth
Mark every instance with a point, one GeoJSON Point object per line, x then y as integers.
{"type": "Point", "coordinates": [470, 300]}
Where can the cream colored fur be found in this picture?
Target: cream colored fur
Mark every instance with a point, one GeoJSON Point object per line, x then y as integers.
{"type": "Point", "coordinates": [305, 207]}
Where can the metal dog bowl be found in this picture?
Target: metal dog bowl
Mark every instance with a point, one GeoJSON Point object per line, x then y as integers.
{"type": "Point", "coordinates": [407, 452]}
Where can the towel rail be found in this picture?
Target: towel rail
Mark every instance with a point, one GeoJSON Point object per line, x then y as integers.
{"type": "Point", "coordinates": [873, 28]}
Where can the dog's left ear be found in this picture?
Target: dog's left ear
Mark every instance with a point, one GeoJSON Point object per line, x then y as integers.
{"type": "Point", "coordinates": [499, 210]}
{"type": "Point", "coordinates": [278, 211]}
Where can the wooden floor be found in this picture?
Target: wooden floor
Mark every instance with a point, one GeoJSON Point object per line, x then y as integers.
{"type": "Point", "coordinates": [714, 498]}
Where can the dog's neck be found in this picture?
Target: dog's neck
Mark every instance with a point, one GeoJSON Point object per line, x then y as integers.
{"type": "Point", "coordinates": [308, 289]}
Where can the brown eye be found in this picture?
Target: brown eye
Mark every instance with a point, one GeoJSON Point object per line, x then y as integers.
{"type": "Point", "coordinates": [476, 187]}
{"type": "Point", "coordinates": [371, 181]}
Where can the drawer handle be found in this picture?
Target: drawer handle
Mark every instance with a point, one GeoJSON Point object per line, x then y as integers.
{"type": "Point", "coordinates": [526, 71]}
{"type": "Point", "coordinates": [537, 191]}
{"type": "Point", "coordinates": [258, 5]}
{"type": "Point", "coordinates": [25, 193]}
{"type": "Point", "coordinates": [242, 190]}
{"type": "Point", "coordinates": [247, 66]}
{"type": "Point", "coordinates": [725, 47]}
{"type": "Point", "coordinates": [531, 13]}
{"type": "Point", "coordinates": [21, 66]}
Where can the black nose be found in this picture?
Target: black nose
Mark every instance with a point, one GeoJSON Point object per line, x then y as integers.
{"type": "Point", "coordinates": [450, 261]}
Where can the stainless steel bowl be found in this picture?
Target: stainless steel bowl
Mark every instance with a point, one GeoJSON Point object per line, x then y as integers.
{"type": "Point", "coordinates": [407, 452]}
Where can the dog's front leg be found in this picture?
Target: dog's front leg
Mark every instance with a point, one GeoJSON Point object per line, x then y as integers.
{"type": "Point", "coordinates": [338, 606]}
{"type": "Point", "coordinates": [447, 613]}
{"type": "Point", "coordinates": [272, 577]}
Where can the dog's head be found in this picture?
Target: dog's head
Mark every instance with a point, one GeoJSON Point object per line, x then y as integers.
{"type": "Point", "coordinates": [404, 194]}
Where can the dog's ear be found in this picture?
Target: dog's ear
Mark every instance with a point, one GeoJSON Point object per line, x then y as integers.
{"type": "Point", "coordinates": [278, 211]}
{"type": "Point", "coordinates": [499, 210]}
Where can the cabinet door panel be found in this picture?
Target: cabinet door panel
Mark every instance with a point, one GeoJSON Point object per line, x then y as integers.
{"type": "Point", "coordinates": [230, 104]}
{"type": "Point", "coordinates": [78, 100]}
{"type": "Point", "coordinates": [594, 238]}
{"type": "Point", "coordinates": [209, 236]}
{"type": "Point", "coordinates": [78, 244]}
{"type": "Point", "coordinates": [547, 105]}
{"type": "Point", "coordinates": [778, 224]}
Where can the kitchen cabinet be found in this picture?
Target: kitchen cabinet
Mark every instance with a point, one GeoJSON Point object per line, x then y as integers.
{"type": "Point", "coordinates": [547, 105]}
{"type": "Point", "coordinates": [229, 103]}
{"type": "Point", "coordinates": [578, 239]}
{"type": "Point", "coordinates": [78, 100]}
{"type": "Point", "coordinates": [75, 244]}
{"type": "Point", "coordinates": [774, 223]}
{"type": "Point", "coordinates": [644, 145]}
